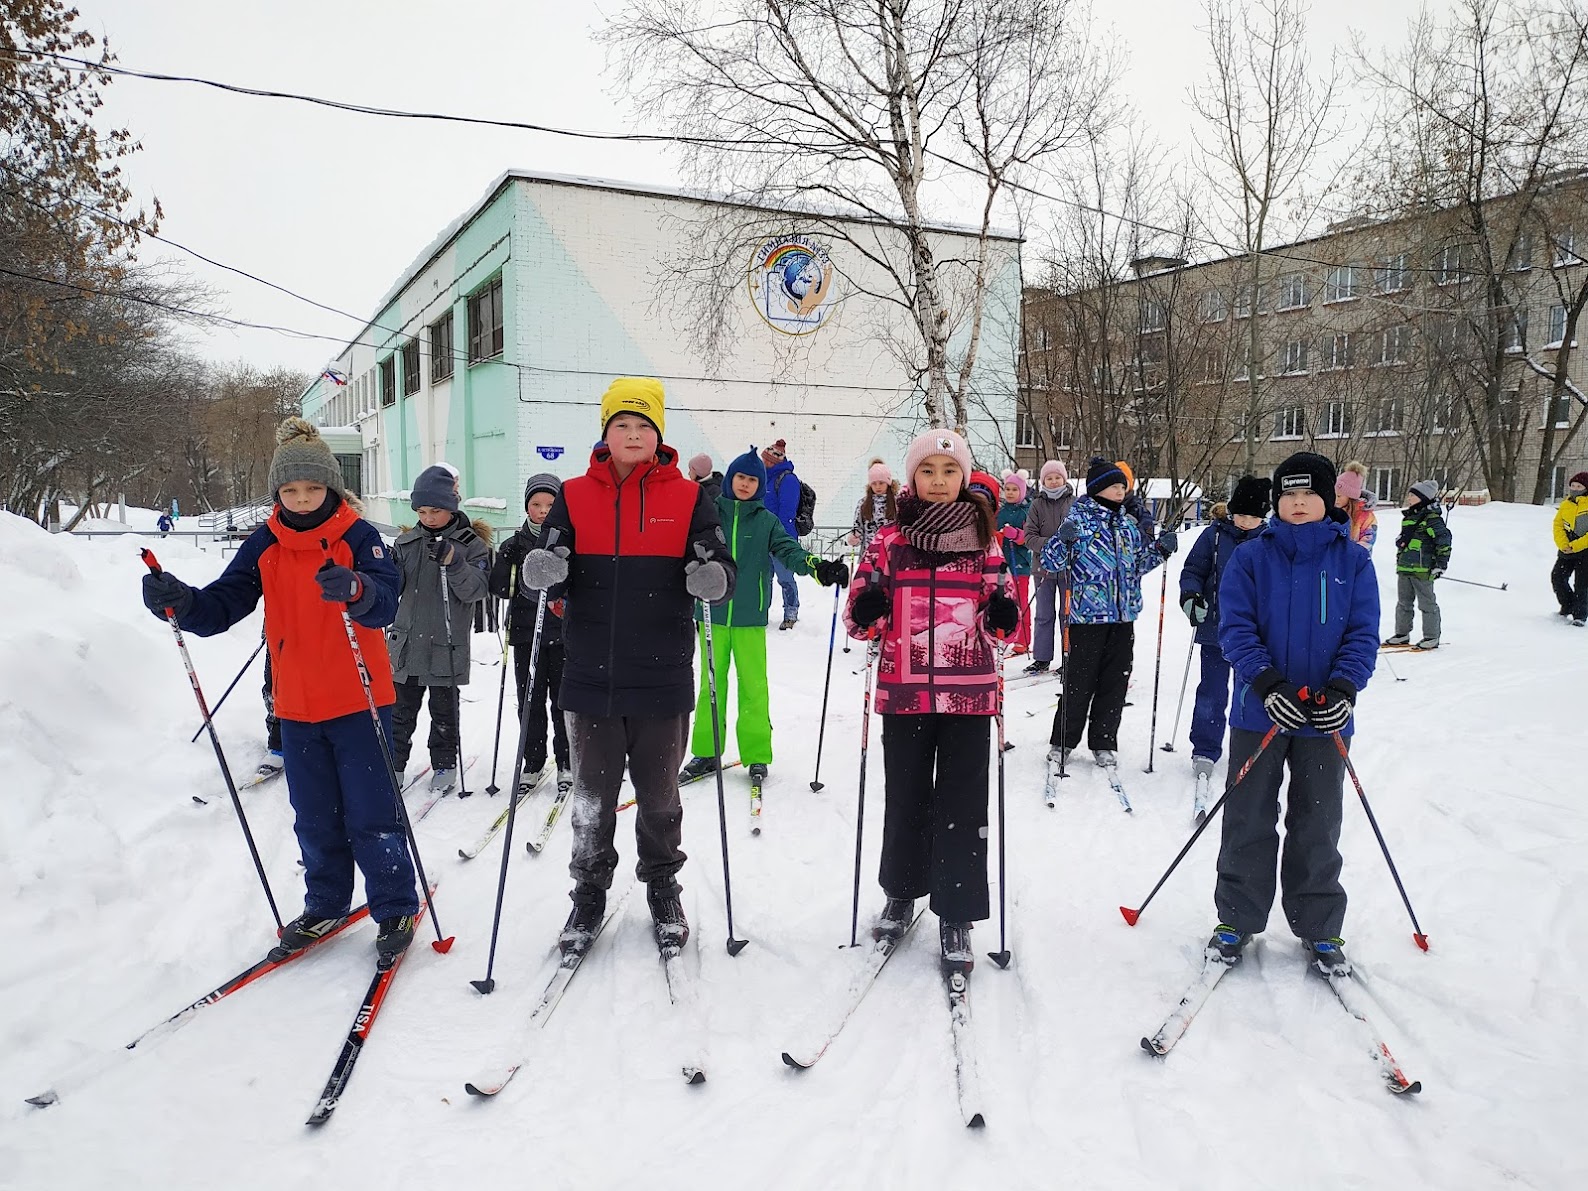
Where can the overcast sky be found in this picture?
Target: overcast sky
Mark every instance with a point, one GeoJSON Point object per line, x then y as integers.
{"type": "Point", "coordinates": [334, 205]}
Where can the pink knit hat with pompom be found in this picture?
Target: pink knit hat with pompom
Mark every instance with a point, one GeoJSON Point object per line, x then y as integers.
{"type": "Point", "coordinates": [879, 471]}
{"type": "Point", "coordinates": [936, 442]}
{"type": "Point", "coordinates": [1053, 468]}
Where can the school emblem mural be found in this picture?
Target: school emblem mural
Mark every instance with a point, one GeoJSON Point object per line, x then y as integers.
{"type": "Point", "coordinates": [792, 284]}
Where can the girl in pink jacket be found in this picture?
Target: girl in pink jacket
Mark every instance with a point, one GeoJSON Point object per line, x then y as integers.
{"type": "Point", "coordinates": [931, 590]}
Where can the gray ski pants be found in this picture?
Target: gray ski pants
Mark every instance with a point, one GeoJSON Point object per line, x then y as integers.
{"type": "Point", "coordinates": [1408, 588]}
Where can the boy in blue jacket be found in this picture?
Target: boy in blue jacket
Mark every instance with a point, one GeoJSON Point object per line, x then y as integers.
{"type": "Point", "coordinates": [1299, 616]}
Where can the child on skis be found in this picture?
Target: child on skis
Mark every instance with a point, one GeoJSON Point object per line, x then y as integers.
{"type": "Point", "coordinates": [1422, 555]}
{"type": "Point", "coordinates": [539, 494]}
{"type": "Point", "coordinates": [930, 587]}
{"type": "Point", "coordinates": [1105, 553]}
{"type": "Point", "coordinates": [878, 506]}
{"type": "Point", "coordinates": [313, 558]}
{"type": "Point", "coordinates": [1012, 514]}
{"type": "Point", "coordinates": [1233, 523]}
{"type": "Point", "coordinates": [755, 537]}
{"type": "Point", "coordinates": [1362, 521]}
{"type": "Point", "coordinates": [1571, 541]}
{"type": "Point", "coordinates": [1299, 624]}
{"type": "Point", "coordinates": [1049, 508]}
{"type": "Point", "coordinates": [442, 556]}
{"type": "Point", "coordinates": [630, 545]}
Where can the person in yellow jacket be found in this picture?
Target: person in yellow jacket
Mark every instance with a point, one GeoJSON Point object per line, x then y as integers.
{"type": "Point", "coordinates": [1571, 539]}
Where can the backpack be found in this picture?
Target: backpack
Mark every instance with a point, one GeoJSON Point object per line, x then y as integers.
{"type": "Point", "coordinates": [805, 511]}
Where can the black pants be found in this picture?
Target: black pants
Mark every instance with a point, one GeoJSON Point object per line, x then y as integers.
{"type": "Point", "coordinates": [653, 748]}
{"type": "Point", "coordinates": [934, 824]}
{"type": "Point", "coordinates": [272, 724]}
{"type": "Point", "coordinates": [1567, 569]}
{"type": "Point", "coordinates": [1309, 866]}
{"type": "Point", "coordinates": [1096, 677]}
{"type": "Point", "coordinates": [548, 680]}
{"type": "Point", "coordinates": [443, 740]}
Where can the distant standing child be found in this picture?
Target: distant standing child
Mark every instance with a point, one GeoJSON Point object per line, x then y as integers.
{"type": "Point", "coordinates": [1103, 549]}
{"type": "Point", "coordinates": [931, 586]}
{"type": "Point", "coordinates": [422, 658]}
{"type": "Point", "coordinates": [1363, 524]}
{"type": "Point", "coordinates": [636, 545]}
{"type": "Point", "coordinates": [1012, 514]}
{"type": "Point", "coordinates": [878, 506]}
{"type": "Point", "coordinates": [539, 493]}
{"type": "Point", "coordinates": [782, 496]}
{"type": "Point", "coordinates": [1422, 554]}
{"type": "Point", "coordinates": [1299, 623]}
{"type": "Point", "coordinates": [1571, 540]}
{"type": "Point", "coordinates": [1048, 510]}
{"type": "Point", "coordinates": [345, 808]}
{"type": "Point", "coordinates": [1234, 523]}
{"type": "Point", "coordinates": [756, 537]}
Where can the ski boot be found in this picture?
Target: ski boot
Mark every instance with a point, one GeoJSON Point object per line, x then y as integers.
{"type": "Point", "coordinates": [757, 774]}
{"type": "Point", "coordinates": [1037, 668]}
{"type": "Point", "coordinates": [392, 939]}
{"type": "Point", "coordinates": [1106, 758]}
{"type": "Point", "coordinates": [531, 779]}
{"type": "Point", "coordinates": [697, 768]}
{"type": "Point", "coordinates": [270, 766]}
{"type": "Point", "coordinates": [304, 931]}
{"type": "Point", "coordinates": [1399, 639]}
{"type": "Point", "coordinates": [1229, 943]}
{"type": "Point", "coordinates": [897, 914]}
{"type": "Point", "coordinates": [957, 954]}
{"type": "Point", "coordinates": [443, 779]}
{"type": "Point", "coordinates": [584, 920]}
{"type": "Point", "coordinates": [1328, 957]}
{"type": "Point", "coordinates": [667, 912]}
{"type": "Point", "coordinates": [564, 779]}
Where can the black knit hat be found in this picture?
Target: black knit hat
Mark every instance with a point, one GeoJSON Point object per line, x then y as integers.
{"type": "Point", "coordinates": [1305, 472]}
{"type": "Point", "coordinates": [1100, 474]}
{"type": "Point", "coordinates": [1251, 497]}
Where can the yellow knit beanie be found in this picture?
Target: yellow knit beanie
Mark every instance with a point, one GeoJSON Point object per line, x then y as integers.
{"type": "Point", "coordinates": [635, 395]}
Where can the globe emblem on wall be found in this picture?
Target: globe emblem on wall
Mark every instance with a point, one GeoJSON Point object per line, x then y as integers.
{"type": "Point", "coordinates": [792, 284]}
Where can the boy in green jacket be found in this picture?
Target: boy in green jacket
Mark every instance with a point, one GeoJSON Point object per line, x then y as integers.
{"type": "Point", "coordinates": [1422, 554]}
{"type": "Point", "coordinates": [755, 536]}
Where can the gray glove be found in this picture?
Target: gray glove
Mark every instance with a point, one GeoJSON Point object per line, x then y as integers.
{"type": "Point", "coordinates": [543, 568]}
{"type": "Point", "coordinates": [706, 580]}
{"type": "Point", "coordinates": [1069, 532]}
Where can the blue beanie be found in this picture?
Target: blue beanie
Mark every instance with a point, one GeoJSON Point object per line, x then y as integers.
{"type": "Point", "coordinates": [1100, 474]}
{"type": "Point", "coordinates": [435, 488]}
{"type": "Point", "coordinates": [748, 464]}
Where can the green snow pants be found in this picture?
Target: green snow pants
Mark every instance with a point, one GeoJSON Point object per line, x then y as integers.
{"type": "Point", "coordinates": [745, 648]}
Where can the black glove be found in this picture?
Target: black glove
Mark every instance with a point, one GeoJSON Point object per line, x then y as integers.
{"type": "Point", "coordinates": [517, 545]}
{"type": "Point", "coordinates": [832, 574]}
{"type": "Point", "coordinates": [1168, 542]}
{"type": "Point", "coordinates": [1282, 701]}
{"type": "Point", "coordinates": [443, 551]}
{"type": "Point", "coordinates": [1003, 614]}
{"type": "Point", "coordinates": [1331, 708]}
{"type": "Point", "coordinates": [1194, 606]}
{"type": "Point", "coordinates": [338, 584]}
{"type": "Point", "coordinates": [162, 590]}
{"type": "Point", "coordinates": [870, 606]}
{"type": "Point", "coordinates": [1069, 532]}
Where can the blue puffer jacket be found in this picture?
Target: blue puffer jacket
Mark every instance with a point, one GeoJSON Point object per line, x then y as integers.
{"type": "Point", "coordinates": [1105, 563]}
{"type": "Point", "coordinates": [1018, 553]}
{"type": "Point", "coordinates": [1204, 570]}
{"type": "Point", "coordinates": [783, 498]}
{"type": "Point", "coordinates": [1303, 600]}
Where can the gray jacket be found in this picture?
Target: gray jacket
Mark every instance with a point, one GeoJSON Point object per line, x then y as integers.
{"type": "Point", "coordinates": [418, 637]}
{"type": "Point", "coordinates": [1042, 522]}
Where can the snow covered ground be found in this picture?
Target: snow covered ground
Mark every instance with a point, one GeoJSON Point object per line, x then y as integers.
{"type": "Point", "coordinates": [126, 901]}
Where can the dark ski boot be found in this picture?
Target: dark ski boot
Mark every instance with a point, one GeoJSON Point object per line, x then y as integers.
{"type": "Point", "coordinates": [393, 937]}
{"type": "Point", "coordinates": [1328, 957]}
{"type": "Point", "coordinates": [697, 768]}
{"type": "Point", "coordinates": [584, 920]}
{"type": "Point", "coordinates": [957, 953]}
{"type": "Point", "coordinates": [667, 911]}
{"type": "Point", "coordinates": [1229, 943]}
{"type": "Point", "coordinates": [897, 914]}
{"type": "Point", "coordinates": [304, 931]}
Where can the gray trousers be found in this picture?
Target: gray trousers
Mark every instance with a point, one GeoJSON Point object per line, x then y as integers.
{"type": "Point", "coordinates": [1309, 866]}
{"type": "Point", "coordinates": [1046, 615]}
{"type": "Point", "coordinates": [1409, 587]}
{"type": "Point", "coordinates": [652, 748]}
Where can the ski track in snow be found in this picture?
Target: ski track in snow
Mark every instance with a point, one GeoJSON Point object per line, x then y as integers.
{"type": "Point", "coordinates": [127, 901]}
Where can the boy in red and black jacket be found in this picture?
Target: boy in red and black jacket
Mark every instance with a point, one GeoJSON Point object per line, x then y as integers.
{"type": "Point", "coordinates": [629, 546]}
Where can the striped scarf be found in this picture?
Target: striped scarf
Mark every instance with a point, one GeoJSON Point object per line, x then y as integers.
{"type": "Point", "coordinates": [940, 529]}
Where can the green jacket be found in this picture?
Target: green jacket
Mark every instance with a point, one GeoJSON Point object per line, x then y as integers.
{"type": "Point", "coordinates": [1423, 544]}
{"type": "Point", "coordinates": [754, 535]}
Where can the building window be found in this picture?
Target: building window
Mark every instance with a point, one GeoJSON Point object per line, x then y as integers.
{"type": "Point", "coordinates": [1393, 345]}
{"type": "Point", "coordinates": [1025, 431]}
{"type": "Point", "coordinates": [388, 381]}
{"type": "Point", "coordinates": [1214, 308]}
{"type": "Point", "coordinates": [1387, 485]}
{"type": "Point", "coordinates": [1336, 420]}
{"type": "Point", "coordinates": [1293, 291]}
{"type": "Point", "coordinates": [485, 323]}
{"type": "Point", "coordinates": [1290, 422]}
{"type": "Point", "coordinates": [1389, 415]}
{"type": "Point", "coordinates": [410, 368]}
{"type": "Point", "coordinates": [1393, 274]}
{"type": "Point", "coordinates": [1446, 414]}
{"type": "Point", "coordinates": [1295, 357]}
{"type": "Point", "coordinates": [1562, 406]}
{"type": "Point", "coordinates": [1450, 264]}
{"type": "Point", "coordinates": [1557, 327]}
{"type": "Point", "coordinates": [1153, 317]}
{"type": "Point", "coordinates": [441, 348]}
{"type": "Point", "coordinates": [1212, 365]}
{"type": "Point", "coordinates": [1243, 301]}
{"type": "Point", "coordinates": [1514, 334]}
{"type": "Point", "coordinates": [1340, 351]}
{"type": "Point", "coordinates": [1341, 285]}
{"type": "Point", "coordinates": [1521, 255]}
{"type": "Point", "coordinates": [1566, 248]}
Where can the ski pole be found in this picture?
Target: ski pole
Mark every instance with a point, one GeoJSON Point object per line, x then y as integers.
{"type": "Point", "coordinates": [501, 695]}
{"type": "Point", "coordinates": [827, 684]}
{"type": "Point", "coordinates": [153, 564]}
{"type": "Point", "coordinates": [1168, 745]}
{"type": "Point", "coordinates": [1132, 915]}
{"type": "Point", "coordinates": [443, 944]}
{"type": "Point", "coordinates": [1157, 667]}
{"type": "Point", "coordinates": [1064, 668]}
{"type": "Point", "coordinates": [1417, 937]}
{"type": "Point", "coordinates": [872, 652]}
{"type": "Point", "coordinates": [221, 702]}
{"type": "Point", "coordinates": [734, 945]}
{"type": "Point", "coordinates": [829, 649]}
{"type": "Point", "coordinates": [1001, 956]}
{"type": "Point", "coordinates": [488, 984]}
{"type": "Point", "coordinates": [457, 691]}
{"type": "Point", "coordinates": [1475, 583]}
{"type": "Point", "coordinates": [1392, 670]}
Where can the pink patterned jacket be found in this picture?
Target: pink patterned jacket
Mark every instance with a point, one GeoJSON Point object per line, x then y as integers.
{"type": "Point", "coordinates": [937, 653]}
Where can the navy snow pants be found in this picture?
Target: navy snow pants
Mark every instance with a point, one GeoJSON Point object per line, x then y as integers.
{"type": "Point", "coordinates": [1212, 703]}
